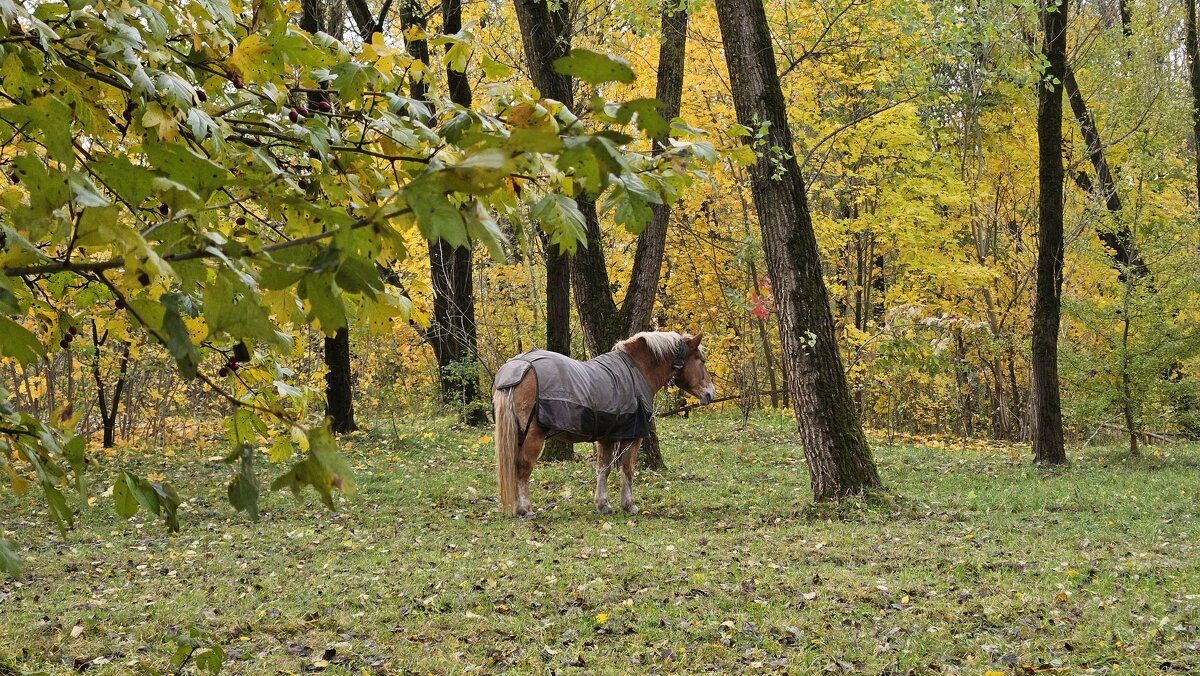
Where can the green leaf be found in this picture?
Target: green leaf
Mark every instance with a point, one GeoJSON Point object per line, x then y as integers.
{"type": "Point", "coordinates": [209, 659]}
{"type": "Point", "coordinates": [142, 492]}
{"type": "Point", "coordinates": [324, 469]}
{"type": "Point", "coordinates": [359, 275]}
{"type": "Point", "coordinates": [18, 342]}
{"type": "Point", "coordinates": [10, 563]}
{"type": "Point", "coordinates": [594, 67]}
{"type": "Point", "coordinates": [243, 489]}
{"type": "Point", "coordinates": [437, 218]}
{"type": "Point", "coordinates": [169, 500]}
{"type": "Point", "coordinates": [182, 166]}
{"type": "Point", "coordinates": [130, 182]}
{"type": "Point", "coordinates": [352, 79]}
{"type": "Point", "coordinates": [325, 303]}
{"type": "Point", "coordinates": [126, 505]}
{"type": "Point", "coordinates": [73, 451]}
{"type": "Point", "coordinates": [233, 309]}
{"type": "Point", "coordinates": [179, 341]}
{"type": "Point", "coordinates": [478, 173]}
{"type": "Point", "coordinates": [56, 504]}
{"type": "Point", "coordinates": [281, 450]}
{"type": "Point", "coordinates": [533, 140]}
{"type": "Point", "coordinates": [560, 218]}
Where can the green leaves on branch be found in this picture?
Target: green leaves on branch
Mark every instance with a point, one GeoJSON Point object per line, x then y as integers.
{"type": "Point", "coordinates": [242, 181]}
{"type": "Point", "coordinates": [594, 67]}
{"type": "Point", "coordinates": [160, 499]}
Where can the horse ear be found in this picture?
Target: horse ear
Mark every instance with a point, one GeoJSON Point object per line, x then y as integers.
{"type": "Point", "coordinates": [694, 342]}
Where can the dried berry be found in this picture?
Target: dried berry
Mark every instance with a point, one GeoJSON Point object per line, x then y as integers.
{"type": "Point", "coordinates": [240, 220]}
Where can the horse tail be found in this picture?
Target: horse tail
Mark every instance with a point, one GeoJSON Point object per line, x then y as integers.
{"type": "Point", "coordinates": [506, 449]}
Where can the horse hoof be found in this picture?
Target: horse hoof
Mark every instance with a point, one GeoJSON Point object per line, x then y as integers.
{"type": "Point", "coordinates": [630, 509]}
{"type": "Point", "coordinates": [604, 508]}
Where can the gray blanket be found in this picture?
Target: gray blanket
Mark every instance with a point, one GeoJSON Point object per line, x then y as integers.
{"type": "Point", "coordinates": [603, 398]}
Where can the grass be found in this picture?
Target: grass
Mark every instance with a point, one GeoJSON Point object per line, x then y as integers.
{"type": "Point", "coordinates": [976, 562]}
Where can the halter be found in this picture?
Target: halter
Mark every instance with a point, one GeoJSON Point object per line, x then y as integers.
{"type": "Point", "coordinates": [677, 365]}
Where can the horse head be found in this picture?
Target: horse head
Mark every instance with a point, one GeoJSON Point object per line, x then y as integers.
{"type": "Point", "coordinates": [691, 373]}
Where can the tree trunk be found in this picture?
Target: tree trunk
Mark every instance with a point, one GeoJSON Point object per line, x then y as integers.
{"type": "Point", "coordinates": [558, 327]}
{"type": "Point", "coordinates": [839, 459]}
{"type": "Point", "coordinates": [1193, 60]}
{"type": "Point", "coordinates": [339, 391]}
{"type": "Point", "coordinates": [1046, 408]}
{"type": "Point", "coordinates": [599, 318]}
{"type": "Point", "coordinates": [546, 36]}
{"type": "Point", "coordinates": [1120, 241]}
{"type": "Point", "coordinates": [453, 332]}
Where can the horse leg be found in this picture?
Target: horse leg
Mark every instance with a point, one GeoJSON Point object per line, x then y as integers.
{"type": "Point", "coordinates": [535, 438]}
{"type": "Point", "coordinates": [604, 454]}
{"type": "Point", "coordinates": [628, 463]}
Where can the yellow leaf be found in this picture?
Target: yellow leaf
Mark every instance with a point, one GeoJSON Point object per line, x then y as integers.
{"type": "Point", "coordinates": [601, 618]}
{"type": "Point", "coordinates": [249, 56]}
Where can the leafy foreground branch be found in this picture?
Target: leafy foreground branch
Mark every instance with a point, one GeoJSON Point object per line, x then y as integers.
{"type": "Point", "coordinates": [210, 178]}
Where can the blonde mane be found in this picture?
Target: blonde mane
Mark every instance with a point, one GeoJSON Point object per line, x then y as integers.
{"type": "Point", "coordinates": [662, 344]}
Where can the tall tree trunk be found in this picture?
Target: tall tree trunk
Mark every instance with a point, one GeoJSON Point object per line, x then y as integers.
{"type": "Point", "coordinates": [1120, 241]}
{"type": "Point", "coordinates": [1047, 412]}
{"type": "Point", "coordinates": [339, 388]}
{"type": "Point", "coordinates": [339, 382]}
{"type": "Point", "coordinates": [638, 305]}
{"type": "Point", "coordinates": [453, 334]}
{"type": "Point", "coordinates": [558, 327]}
{"type": "Point", "coordinates": [1193, 58]}
{"type": "Point", "coordinates": [546, 36]}
{"type": "Point", "coordinates": [839, 459]}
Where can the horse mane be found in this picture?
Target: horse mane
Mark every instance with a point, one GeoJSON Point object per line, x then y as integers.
{"type": "Point", "coordinates": [662, 344]}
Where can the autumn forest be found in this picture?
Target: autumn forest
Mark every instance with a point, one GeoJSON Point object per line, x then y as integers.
{"type": "Point", "coordinates": [941, 257]}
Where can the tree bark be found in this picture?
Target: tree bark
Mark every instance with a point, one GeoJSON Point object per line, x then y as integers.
{"type": "Point", "coordinates": [546, 36]}
{"type": "Point", "coordinates": [1193, 59]}
{"type": "Point", "coordinates": [1046, 408]}
{"type": "Point", "coordinates": [339, 390]}
{"type": "Point", "coordinates": [839, 458]}
{"type": "Point", "coordinates": [1120, 241]}
{"type": "Point", "coordinates": [455, 341]}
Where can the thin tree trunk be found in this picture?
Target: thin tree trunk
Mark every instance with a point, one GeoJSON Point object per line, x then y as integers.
{"type": "Point", "coordinates": [1193, 59]}
{"type": "Point", "coordinates": [453, 333]}
{"type": "Point", "coordinates": [1126, 375]}
{"type": "Point", "coordinates": [339, 389]}
{"type": "Point", "coordinates": [839, 459]}
{"type": "Point", "coordinates": [1046, 407]}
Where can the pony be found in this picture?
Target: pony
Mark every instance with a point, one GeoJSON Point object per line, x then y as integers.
{"type": "Point", "coordinates": [608, 400]}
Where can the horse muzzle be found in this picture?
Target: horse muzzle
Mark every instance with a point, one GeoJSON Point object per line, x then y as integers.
{"type": "Point", "coordinates": [708, 395]}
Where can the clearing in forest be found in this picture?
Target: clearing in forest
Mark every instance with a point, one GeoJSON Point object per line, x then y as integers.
{"type": "Point", "coordinates": [981, 564]}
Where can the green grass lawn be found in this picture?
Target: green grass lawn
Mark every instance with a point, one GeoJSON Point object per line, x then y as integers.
{"type": "Point", "coordinates": [978, 563]}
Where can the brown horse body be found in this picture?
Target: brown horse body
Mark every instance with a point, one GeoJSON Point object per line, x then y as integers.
{"type": "Point", "coordinates": [659, 356]}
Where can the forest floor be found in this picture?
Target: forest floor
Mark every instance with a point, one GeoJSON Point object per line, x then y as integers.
{"type": "Point", "coordinates": [977, 564]}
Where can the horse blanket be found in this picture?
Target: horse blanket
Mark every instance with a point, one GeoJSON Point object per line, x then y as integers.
{"type": "Point", "coordinates": [602, 398]}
